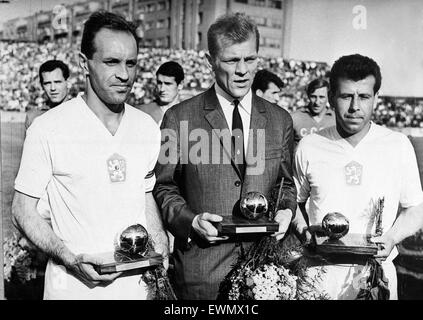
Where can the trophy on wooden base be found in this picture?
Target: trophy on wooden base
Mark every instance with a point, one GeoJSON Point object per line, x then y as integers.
{"type": "Point", "coordinates": [333, 238]}
{"type": "Point", "coordinates": [132, 252]}
{"type": "Point", "coordinates": [253, 217]}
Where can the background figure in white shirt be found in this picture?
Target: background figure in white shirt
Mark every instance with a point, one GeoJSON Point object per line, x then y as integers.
{"type": "Point", "coordinates": [169, 82]}
{"type": "Point", "coordinates": [349, 167]}
{"type": "Point", "coordinates": [94, 156]}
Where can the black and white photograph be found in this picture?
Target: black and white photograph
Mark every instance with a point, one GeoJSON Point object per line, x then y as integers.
{"type": "Point", "coordinates": [211, 154]}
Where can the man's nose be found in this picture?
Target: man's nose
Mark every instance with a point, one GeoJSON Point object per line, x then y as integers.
{"type": "Point", "coordinates": [355, 104]}
{"type": "Point", "coordinates": [241, 67]}
{"type": "Point", "coordinates": [122, 72]}
{"type": "Point", "coordinates": [277, 97]}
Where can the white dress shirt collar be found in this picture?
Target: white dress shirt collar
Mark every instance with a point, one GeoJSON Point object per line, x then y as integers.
{"type": "Point", "coordinates": [245, 105]}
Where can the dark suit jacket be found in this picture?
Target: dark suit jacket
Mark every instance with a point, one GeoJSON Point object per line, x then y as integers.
{"type": "Point", "coordinates": [185, 189]}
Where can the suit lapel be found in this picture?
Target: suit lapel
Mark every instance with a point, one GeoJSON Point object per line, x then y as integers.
{"type": "Point", "coordinates": [215, 117]}
{"type": "Point", "coordinates": [258, 121]}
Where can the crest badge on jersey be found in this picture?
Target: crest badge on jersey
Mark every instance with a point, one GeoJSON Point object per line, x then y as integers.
{"type": "Point", "coordinates": [353, 173]}
{"type": "Point", "coordinates": [116, 166]}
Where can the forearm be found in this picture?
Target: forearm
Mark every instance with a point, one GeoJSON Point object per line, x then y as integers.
{"type": "Point", "coordinates": [176, 215]}
{"type": "Point", "coordinates": [155, 225]}
{"type": "Point", "coordinates": [289, 188]}
{"type": "Point", "coordinates": [409, 221]}
{"type": "Point", "coordinates": [39, 231]}
{"type": "Point", "coordinates": [299, 223]}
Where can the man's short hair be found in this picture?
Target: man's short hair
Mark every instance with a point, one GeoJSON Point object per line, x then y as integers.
{"type": "Point", "coordinates": [316, 84]}
{"type": "Point", "coordinates": [104, 19]}
{"type": "Point", "coordinates": [263, 78]}
{"type": "Point", "coordinates": [355, 67]}
{"type": "Point", "coordinates": [229, 29]}
{"type": "Point", "coordinates": [51, 65]}
{"type": "Point", "coordinates": [171, 69]}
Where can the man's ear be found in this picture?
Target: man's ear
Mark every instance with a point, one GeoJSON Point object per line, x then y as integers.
{"type": "Point", "coordinates": [181, 85]}
{"type": "Point", "coordinates": [375, 100]}
{"type": "Point", "coordinates": [259, 93]}
{"type": "Point", "coordinates": [210, 62]}
{"type": "Point", "coordinates": [331, 99]}
{"type": "Point", "coordinates": [83, 63]}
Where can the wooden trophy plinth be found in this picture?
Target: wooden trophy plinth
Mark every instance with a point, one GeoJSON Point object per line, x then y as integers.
{"type": "Point", "coordinates": [119, 261]}
{"type": "Point", "coordinates": [234, 225]}
{"type": "Point", "coordinates": [350, 244]}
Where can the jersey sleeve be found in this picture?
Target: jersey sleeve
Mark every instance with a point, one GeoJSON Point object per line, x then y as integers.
{"type": "Point", "coordinates": [300, 173]}
{"type": "Point", "coordinates": [35, 170]}
{"type": "Point", "coordinates": [411, 190]}
{"type": "Point", "coordinates": [150, 178]}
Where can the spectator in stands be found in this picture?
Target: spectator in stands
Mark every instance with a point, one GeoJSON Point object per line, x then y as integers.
{"type": "Point", "coordinates": [53, 76]}
{"type": "Point", "coordinates": [19, 65]}
{"type": "Point", "coordinates": [169, 81]}
{"type": "Point", "coordinates": [316, 115]}
{"type": "Point", "coordinates": [267, 85]}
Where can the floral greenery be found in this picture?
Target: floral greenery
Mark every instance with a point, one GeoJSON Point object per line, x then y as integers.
{"type": "Point", "coordinates": [157, 280]}
{"type": "Point", "coordinates": [376, 285]}
{"type": "Point", "coordinates": [22, 261]}
{"type": "Point", "coordinates": [158, 284]}
{"type": "Point", "coordinates": [270, 270]}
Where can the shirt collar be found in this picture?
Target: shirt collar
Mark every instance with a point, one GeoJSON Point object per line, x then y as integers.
{"type": "Point", "coordinates": [368, 135]}
{"type": "Point", "coordinates": [226, 100]}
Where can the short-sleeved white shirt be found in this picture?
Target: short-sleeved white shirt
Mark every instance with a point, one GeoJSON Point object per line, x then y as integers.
{"type": "Point", "coordinates": [95, 184]}
{"type": "Point", "coordinates": [337, 177]}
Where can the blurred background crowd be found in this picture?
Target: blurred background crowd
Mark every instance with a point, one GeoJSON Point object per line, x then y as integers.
{"type": "Point", "coordinates": [20, 89]}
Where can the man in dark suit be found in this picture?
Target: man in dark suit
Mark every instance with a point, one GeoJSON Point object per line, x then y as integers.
{"type": "Point", "coordinates": [201, 175]}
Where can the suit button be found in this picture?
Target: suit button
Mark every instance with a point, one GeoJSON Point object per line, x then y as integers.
{"type": "Point", "coordinates": [237, 183]}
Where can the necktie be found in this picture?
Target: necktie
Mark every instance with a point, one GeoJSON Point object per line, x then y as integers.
{"type": "Point", "coordinates": [238, 138]}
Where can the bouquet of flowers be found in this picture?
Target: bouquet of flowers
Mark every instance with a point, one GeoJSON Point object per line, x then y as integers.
{"type": "Point", "coordinates": [270, 270]}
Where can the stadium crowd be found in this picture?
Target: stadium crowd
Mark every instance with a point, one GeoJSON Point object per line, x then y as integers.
{"type": "Point", "coordinates": [20, 89]}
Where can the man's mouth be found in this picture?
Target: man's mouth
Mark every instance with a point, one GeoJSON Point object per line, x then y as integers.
{"type": "Point", "coordinates": [354, 118]}
{"type": "Point", "coordinates": [121, 88]}
{"type": "Point", "coordinates": [241, 82]}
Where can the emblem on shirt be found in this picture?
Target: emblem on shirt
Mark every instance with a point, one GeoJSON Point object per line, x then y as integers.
{"type": "Point", "coordinates": [353, 173]}
{"type": "Point", "coordinates": [116, 166]}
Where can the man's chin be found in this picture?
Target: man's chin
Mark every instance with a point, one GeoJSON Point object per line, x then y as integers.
{"type": "Point", "coordinates": [164, 101]}
{"type": "Point", "coordinates": [238, 93]}
{"type": "Point", "coordinates": [121, 97]}
{"type": "Point", "coordinates": [116, 100]}
{"type": "Point", "coordinates": [352, 129]}
{"type": "Point", "coordinates": [55, 102]}
{"type": "Point", "coordinates": [316, 112]}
